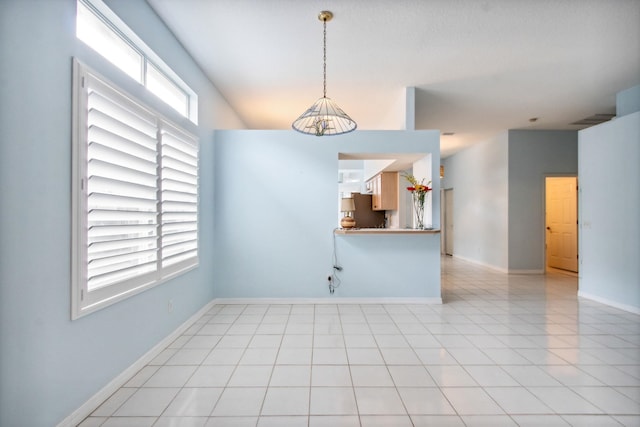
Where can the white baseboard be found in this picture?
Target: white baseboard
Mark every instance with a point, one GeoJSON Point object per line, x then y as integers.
{"type": "Point", "coordinates": [499, 269]}
{"type": "Point", "coordinates": [97, 399]}
{"type": "Point", "coordinates": [625, 307]}
{"type": "Point", "coordinates": [482, 264]}
{"type": "Point", "coordinates": [373, 300]}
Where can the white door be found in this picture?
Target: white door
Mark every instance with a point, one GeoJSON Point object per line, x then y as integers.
{"type": "Point", "coordinates": [562, 222]}
{"type": "Point", "coordinates": [448, 222]}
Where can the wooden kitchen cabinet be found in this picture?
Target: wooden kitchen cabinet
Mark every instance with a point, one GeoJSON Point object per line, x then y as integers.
{"type": "Point", "coordinates": [384, 190]}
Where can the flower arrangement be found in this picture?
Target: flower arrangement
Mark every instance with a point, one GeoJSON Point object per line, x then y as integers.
{"type": "Point", "coordinates": [418, 192]}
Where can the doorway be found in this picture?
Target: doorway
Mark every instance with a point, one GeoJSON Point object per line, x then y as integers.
{"type": "Point", "coordinates": [561, 223]}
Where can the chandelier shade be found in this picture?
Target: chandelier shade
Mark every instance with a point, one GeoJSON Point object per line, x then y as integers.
{"type": "Point", "coordinates": [324, 117]}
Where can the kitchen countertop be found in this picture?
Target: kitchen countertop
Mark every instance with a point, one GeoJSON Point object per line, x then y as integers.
{"type": "Point", "coordinates": [381, 231]}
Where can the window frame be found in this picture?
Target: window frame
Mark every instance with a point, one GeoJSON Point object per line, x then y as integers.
{"type": "Point", "coordinates": [84, 300]}
{"type": "Point", "coordinates": [149, 58]}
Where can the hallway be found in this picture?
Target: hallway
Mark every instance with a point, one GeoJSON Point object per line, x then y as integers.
{"type": "Point", "coordinates": [503, 350]}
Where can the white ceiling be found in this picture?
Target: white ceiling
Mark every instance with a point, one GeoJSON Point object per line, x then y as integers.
{"type": "Point", "coordinates": [479, 67]}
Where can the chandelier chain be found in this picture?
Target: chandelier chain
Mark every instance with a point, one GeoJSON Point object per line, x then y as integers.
{"type": "Point", "coordinates": [324, 58]}
{"type": "Point", "coordinates": [324, 117]}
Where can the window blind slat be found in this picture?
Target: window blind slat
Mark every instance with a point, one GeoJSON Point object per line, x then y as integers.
{"type": "Point", "coordinates": [103, 121]}
{"type": "Point", "coordinates": [177, 186]}
{"type": "Point", "coordinates": [176, 175]}
{"type": "Point", "coordinates": [114, 262]}
{"type": "Point", "coordinates": [113, 232]}
{"type": "Point", "coordinates": [179, 216]}
{"type": "Point", "coordinates": [137, 118]}
{"type": "Point", "coordinates": [121, 173]}
{"type": "Point", "coordinates": [170, 206]}
{"type": "Point", "coordinates": [119, 203]}
{"type": "Point", "coordinates": [182, 236]}
{"type": "Point", "coordinates": [176, 196]}
{"type": "Point", "coordinates": [110, 161]}
{"type": "Point", "coordinates": [136, 148]}
{"type": "Point", "coordinates": [177, 248]}
{"type": "Point", "coordinates": [98, 184]}
{"type": "Point", "coordinates": [176, 227]}
{"type": "Point", "coordinates": [183, 144]}
{"type": "Point", "coordinates": [176, 164]}
{"type": "Point", "coordinates": [117, 217]}
{"type": "Point", "coordinates": [120, 247]}
{"type": "Point", "coordinates": [170, 151]}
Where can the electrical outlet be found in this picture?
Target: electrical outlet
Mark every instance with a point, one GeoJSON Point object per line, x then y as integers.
{"type": "Point", "coordinates": [170, 306]}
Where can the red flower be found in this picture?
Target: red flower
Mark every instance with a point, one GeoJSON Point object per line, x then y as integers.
{"type": "Point", "coordinates": [411, 188]}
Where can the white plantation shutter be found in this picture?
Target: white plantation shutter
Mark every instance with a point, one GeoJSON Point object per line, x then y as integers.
{"type": "Point", "coordinates": [121, 187]}
{"type": "Point", "coordinates": [135, 196]}
{"type": "Point", "coordinates": [179, 199]}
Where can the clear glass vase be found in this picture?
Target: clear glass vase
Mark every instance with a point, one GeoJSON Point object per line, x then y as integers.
{"type": "Point", "coordinates": [418, 209]}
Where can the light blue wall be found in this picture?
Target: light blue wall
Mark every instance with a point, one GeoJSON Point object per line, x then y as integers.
{"type": "Point", "coordinates": [393, 266]}
{"type": "Point", "coordinates": [499, 196]}
{"type": "Point", "coordinates": [534, 154]}
{"type": "Point", "coordinates": [49, 365]}
{"type": "Point", "coordinates": [610, 211]}
{"type": "Point", "coordinates": [276, 194]}
{"type": "Point", "coordinates": [478, 177]}
{"type": "Point", "coordinates": [628, 101]}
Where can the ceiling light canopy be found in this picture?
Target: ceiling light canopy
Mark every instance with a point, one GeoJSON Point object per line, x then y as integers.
{"type": "Point", "coordinates": [324, 117]}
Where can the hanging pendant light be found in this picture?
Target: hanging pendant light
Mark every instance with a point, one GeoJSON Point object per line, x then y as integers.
{"type": "Point", "coordinates": [324, 117]}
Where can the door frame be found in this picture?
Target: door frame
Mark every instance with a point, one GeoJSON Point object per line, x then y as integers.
{"type": "Point", "coordinates": [445, 193]}
{"type": "Point", "coordinates": [544, 213]}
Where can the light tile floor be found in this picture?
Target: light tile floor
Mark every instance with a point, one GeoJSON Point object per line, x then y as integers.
{"type": "Point", "coordinates": [503, 350]}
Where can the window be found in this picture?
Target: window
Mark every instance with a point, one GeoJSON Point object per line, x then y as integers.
{"type": "Point", "coordinates": [161, 86]}
{"type": "Point", "coordinates": [98, 35]}
{"type": "Point", "coordinates": [102, 30]}
{"type": "Point", "coordinates": [135, 194]}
